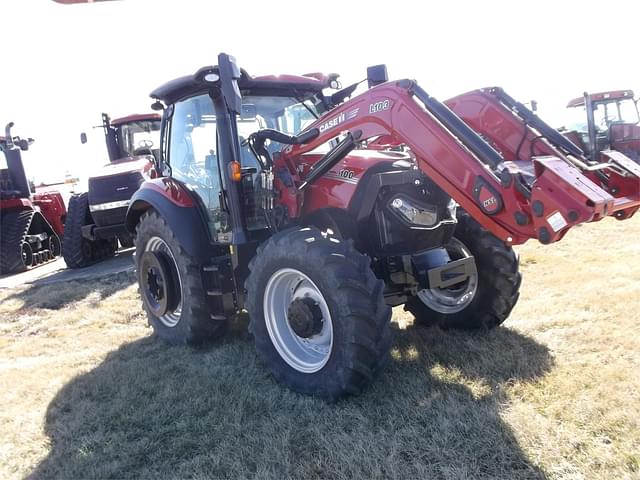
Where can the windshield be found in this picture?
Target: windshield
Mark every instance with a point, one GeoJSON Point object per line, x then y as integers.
{"type": "Point", "coordinates": [285, 114]}
{"type": "Point", "coordinates": [138, 138]}
{"type": "Point", "coordinates": [576, 119]}
{"type": "Point", "coordinates": [604, 114]}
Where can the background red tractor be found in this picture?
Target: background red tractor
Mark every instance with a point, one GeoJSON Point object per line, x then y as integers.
{"type": "Point", "coordinates": [31, 224]}
{"type": "Point", "coordinates": [317, 213]}
{"type": "Point", "coordinates": [605, 121]}
{"type": "Point", "coordinates": [95, 222]}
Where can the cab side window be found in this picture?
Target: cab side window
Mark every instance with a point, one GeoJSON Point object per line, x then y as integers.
{"type": "Point", "coordinates": [193, 157]}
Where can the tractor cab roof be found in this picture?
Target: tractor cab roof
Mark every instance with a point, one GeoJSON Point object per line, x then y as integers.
{"type": "Point", "coordinates": [602, 97]}
{"type": "Point", "coordinates": [135, 118]}
{"type": "Point", "coordinates": [276, 85]}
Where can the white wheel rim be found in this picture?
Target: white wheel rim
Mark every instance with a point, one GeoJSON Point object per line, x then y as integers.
{"type": "Point", "coordinates": [457, 297]}
{"type": "Point", "coordinates": [156, 244]}
{"type": "Point", "coordinates": [306, 355]}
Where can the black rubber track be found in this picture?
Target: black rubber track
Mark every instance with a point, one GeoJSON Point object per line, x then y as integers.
{"type": "Point", "coordinates": [362, 336]}
{"type": "Point", "coordinates": [78, 251]}
{"type": "Point", "coordinates": [195, 325]}
{"type": "Point", "coordinates": [13, 229]}
{"type": "Point", "coordinates": [498, 282]}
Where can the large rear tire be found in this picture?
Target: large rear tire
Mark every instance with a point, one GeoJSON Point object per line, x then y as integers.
{"type": "Point", "coordinates": [486, 299]}
{"type": "Point", "coordinates": [78, 251]}
{"type": "Point", "coordinates": [317, 312]}
{"type": "Point", "coordinates": [170, 282]}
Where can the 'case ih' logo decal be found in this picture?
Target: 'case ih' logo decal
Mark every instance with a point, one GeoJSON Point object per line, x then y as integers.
{"type": "Point", "coordinates": [338, 120]}
{"type": "Point", "coordinates": [379, 106]}
{"type": "Point", "coordinates": [489, 203]}
{"type": "Point", "coordinates": [486, 197]}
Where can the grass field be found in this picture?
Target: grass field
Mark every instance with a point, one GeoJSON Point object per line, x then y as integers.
{"type": "Point", "coordinates": [555, 393]}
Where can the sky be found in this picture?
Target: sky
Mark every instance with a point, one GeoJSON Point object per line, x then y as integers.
{"type": "Point", "coordinates": [65, 64]}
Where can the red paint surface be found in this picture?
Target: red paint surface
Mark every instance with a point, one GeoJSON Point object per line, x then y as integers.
{"type": "Point", "coordinates": [602, 96]}
{"type": "Point", "coordinates": [170, 189]}
{"type": "Point", "coordinates": [135, 118]}
{"type": "Point", "coordinates": [625, 138]}
{"type": "Point", "coordinates": [440, 156]}
{"type": "Point", "coordinates": [52, 207]}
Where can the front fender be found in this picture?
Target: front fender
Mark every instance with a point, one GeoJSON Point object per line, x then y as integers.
{"type": "Point", "coordinates": [179, 209]}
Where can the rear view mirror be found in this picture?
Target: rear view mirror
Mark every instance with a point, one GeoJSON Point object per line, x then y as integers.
{"type": "Point", "coordinates": [377, 75]}
{"type": "Point", "coordinates": [83, 138]}
{"type": "Point", "coordinates": [23, 144]}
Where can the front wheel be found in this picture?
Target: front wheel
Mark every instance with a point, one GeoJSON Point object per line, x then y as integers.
{"type": "Point", "coordinates": [486, 298]}
{"type": "Point", "coordinates": [170, 283]}
{"type": "Point", "coordinates": [317, 313]}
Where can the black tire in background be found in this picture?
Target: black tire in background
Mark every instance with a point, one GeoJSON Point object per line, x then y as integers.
{"type": "Point", "coordinates": [78, 251]}
{"type": "Point", "coordinates": [359, 317]}
{"type": "Point", "coordinates": [189, 322]}
{"type": "Point", "coordinates": [13, 229]}
{"type": "Point", "coordinates": [498, 282]}
{"type": "Point", "coordinates": [126, 240]}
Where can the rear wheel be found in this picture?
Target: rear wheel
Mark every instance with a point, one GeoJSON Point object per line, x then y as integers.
{"type": "Point", "coordinates": [78, 251]}
{"type": "Point", "coordinates": [486, 298]}
{"type": "Point", "coordinates": [317, 313]}
{"type": "Point", "coordinates": [171, 285]}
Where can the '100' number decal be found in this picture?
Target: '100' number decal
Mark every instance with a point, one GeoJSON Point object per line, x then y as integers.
{"type": "Point", "coordinates": [379, 106]}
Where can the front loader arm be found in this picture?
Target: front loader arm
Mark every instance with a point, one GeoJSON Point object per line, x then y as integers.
{"type": "Point", "coordinates": [523, 137]}
{"type": "Point", "coordinates": [463, 164]}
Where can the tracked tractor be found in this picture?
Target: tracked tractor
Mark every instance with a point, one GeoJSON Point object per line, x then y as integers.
{"type": "Point", "coordinates": [31, 224]}
{"type": "Point", "coordinates": [317, 211]}
{"type": "Point", "coordinates": [95, 225]}
{"type": "Point", "coordinates": [606, 121]}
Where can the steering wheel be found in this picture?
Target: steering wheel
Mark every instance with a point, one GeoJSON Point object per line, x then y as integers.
{"type": "Point", "coordinates": [145, 143]}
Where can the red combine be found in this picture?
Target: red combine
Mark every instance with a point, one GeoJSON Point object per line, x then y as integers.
{"type": "Point", "coordinates": [31, 224]}
{"type": "Point", "coordinates": [317, 213]}
{"type": "Point", "coordinates": [95, 223]}
{"type": "Point", "coordinates": [605, 121]}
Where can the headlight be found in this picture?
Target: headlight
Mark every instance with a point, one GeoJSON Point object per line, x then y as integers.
{"type": "Point", "coordinates": [426, 216]}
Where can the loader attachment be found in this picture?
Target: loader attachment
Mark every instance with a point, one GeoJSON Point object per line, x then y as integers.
{"type": "Point", "coordinates": [610, 188]}
{"type": "Point", "coordinates": [499, 161]}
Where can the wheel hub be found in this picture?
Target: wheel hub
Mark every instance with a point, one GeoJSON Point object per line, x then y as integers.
{"type": "Point", "coordinates": [305, 317]}
{"type": "Point", "coordinates": [158, 285]}
{"type": "Point", "coordinates": [457, 297]}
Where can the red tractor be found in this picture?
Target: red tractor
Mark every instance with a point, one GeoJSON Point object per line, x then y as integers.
{"type": "Point", "coordinates": [95, 222]}
{"type": "Point", "coordinates": [317, 213]}
{"type": "Point", "coordinates": [605, 121]}
{"type": "Point", "coordinates": [31, 224]}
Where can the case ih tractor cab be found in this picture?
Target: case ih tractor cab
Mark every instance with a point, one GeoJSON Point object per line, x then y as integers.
{"type": "Point", "coordinates": [317, 214]}
{"type": "Point", "coordinates": [95, 222]}
{"type": "Point", "coordinates": [605, 121]}
{"type": "Point", "coordinates": [31, 224]}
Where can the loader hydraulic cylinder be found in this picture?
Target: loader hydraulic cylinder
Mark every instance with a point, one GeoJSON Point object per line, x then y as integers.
{"type": "Point", "coordinates": [461, 130]}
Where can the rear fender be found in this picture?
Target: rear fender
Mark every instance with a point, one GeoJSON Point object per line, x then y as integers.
{"type": "Point", "coordinates": [52, 207]}
{"type": "Point", "coordinates": [178, 207]}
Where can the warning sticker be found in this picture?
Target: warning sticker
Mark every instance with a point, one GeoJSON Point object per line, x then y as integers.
{"type": "Point", "coordinates": [557, 221]}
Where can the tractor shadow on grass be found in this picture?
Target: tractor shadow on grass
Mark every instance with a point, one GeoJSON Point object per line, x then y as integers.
{"type": "Point", "coordinates": [58, 295]}
{"type": "Point", "coordinates": [153, 411]}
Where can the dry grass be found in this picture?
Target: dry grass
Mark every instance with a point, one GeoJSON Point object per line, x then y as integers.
{"type": "Point", "coordinates": [86, 393]}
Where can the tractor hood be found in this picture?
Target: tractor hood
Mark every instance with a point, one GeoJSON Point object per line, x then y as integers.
{"type": "Point", "coordinates": [142, 164]}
